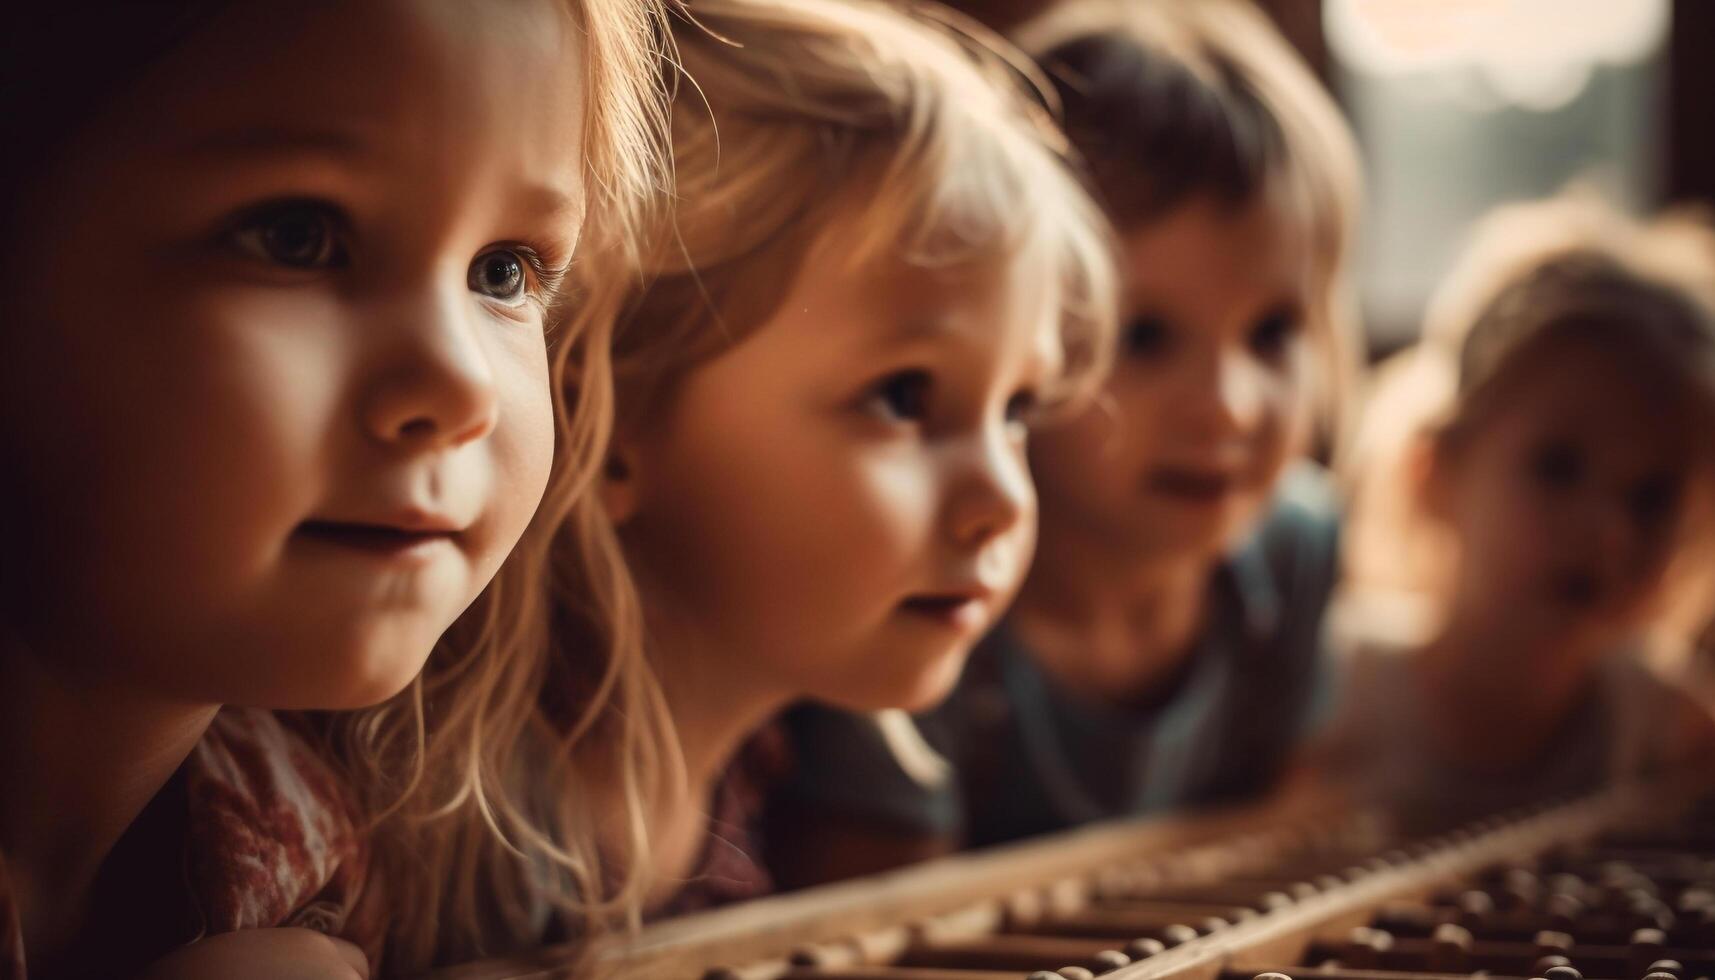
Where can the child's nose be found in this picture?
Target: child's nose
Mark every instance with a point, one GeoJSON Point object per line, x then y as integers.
{"type": "Point", "coordinates": [993, 492]}
{"type": "Point", "coordinates": [1227, 394]}
{"type": "Point", "coordinates": [434, 385]}
{"type": "Point", "coordinates": [1610, 535]}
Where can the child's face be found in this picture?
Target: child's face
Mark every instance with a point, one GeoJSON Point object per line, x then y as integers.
{"type": "Point", "coordinates": [273, 390]}
{"type": "Point", "coordinates": [839, 506]}
{"type": "Point", "coordinates": [1210, 393]}
{"type": "Point", "coordinates": [1565, 497]}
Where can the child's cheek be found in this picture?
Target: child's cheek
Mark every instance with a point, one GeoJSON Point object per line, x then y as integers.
{"type": "Point", "coordinates": [1304, 382]}
{"type": "Point", "coordinates": [524, 437]}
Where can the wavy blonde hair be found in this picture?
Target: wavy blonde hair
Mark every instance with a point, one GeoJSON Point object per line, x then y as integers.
{"type": "Point", "coordinates": [448, 767]}
{"type": "Point", "coordinates": [797, 115]}
{"type": "Point", "coordinates": [1531, 272]}
{"type": "Point", "coordinates": [792, 116]}
{"type": "Point", "coordinates": [1171, 100]}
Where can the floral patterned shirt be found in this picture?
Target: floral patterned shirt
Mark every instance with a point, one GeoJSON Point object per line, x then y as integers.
{"type": "Point", "coordinates": [268, 837]}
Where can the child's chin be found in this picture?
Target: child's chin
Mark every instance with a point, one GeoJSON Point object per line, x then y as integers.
{"type": "Point", "coordinates": [921, 690]}
{"type": "Point", "coordinates": [372, 671]}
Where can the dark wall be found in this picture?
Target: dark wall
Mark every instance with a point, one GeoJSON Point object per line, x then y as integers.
{"type": "Point", "coordinates": [1691, 102]}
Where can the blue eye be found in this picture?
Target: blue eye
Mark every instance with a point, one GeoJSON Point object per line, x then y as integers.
{"type": "Point", "coordinates": [499, 274]}
{"type": "Point", "coordinates": [296, 234]}
{"type": "Point", "coordinates": [901, 397]}
{"type": "Point", "coordinates": [1272, 334]}
{"type": "Point", "coordinates": [1147, 337]}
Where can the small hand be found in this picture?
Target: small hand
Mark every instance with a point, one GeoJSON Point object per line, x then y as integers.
{"type": "Point", "coordinates": [263, 954]}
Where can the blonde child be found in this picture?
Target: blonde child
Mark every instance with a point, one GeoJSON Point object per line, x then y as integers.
{"type": "Point", "coordinates": [878, 272]}
{"type": "Point", "coordinates": [1164, 651]}
{"type": "Point", "coordinates": [275, 404]}
{"type": "Point", "coordinates": [1532, 487]}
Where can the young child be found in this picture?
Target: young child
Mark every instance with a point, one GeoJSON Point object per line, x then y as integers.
{"type": "Point", "coordinates": [275, 404]}
{"type": "Point", "coordinates": [878, 272]}
{"type": "Point", "coordinates": [1546, 462]}
{"type": "Point", "coordinates": [1164, 650]}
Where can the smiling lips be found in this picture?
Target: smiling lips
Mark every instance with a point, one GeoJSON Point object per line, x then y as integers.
{"type": "Point", "coordinates": [1192, 486]}
{"type": "Point", "coordinates": [1576, 589]}
{"type": "Point", "coordinates": [405, 539]}
{"type": "Point", "coordinates": [962, 611]}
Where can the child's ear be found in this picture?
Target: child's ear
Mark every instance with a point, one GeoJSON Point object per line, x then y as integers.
{"type": "Point", "coordinates": [620, 487]}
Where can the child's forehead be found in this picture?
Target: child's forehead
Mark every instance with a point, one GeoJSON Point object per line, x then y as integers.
{"type": "Point", "coordinates": [972, 295]}
{"type": "Point", "coordinates": [891, 303]}
{"type": "Point", "coordinates": [1578, 389]}
{"type": "Point", "coordinates": [1207, 245]}
{"type": "Point", "coordinates": [420, 110]}
{"type": "Point", "coordinates": [338, 68]}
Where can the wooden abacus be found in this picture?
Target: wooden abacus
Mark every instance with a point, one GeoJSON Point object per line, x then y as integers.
{"type": "Point", "coordinates": [1605, 887]}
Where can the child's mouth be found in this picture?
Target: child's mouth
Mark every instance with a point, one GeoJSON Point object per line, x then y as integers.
{"type": "Point", "coordinates": [1576, 589]}
{"type": "Point", "coordinates": [961, 612]}
{"type": "Point", "coordinates": [1192, 486]}
{"type": "Point", "coordinates": [380, 540]}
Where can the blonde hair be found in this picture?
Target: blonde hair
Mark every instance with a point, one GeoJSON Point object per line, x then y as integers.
{"type": "Point", "coordinates": [448, 767]}
{"type": "Point", "coordinates": [1532, 272]}
{"type": "Point", "coordinates": [789, 111]}
{"type": "Point", "coordinates": [1169, 100]}
{"type": "Point", "coordinates": [797, 112]}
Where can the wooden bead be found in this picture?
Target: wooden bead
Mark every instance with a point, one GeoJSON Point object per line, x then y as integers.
{"type": "Point", "coordinates": [1475, 906]}
{"type": "Point", "coordinates": [1364, 948]}
{"type": "Point", "coordinates": [1452, 947]}
{"type": "Point", "coordinates": [1109, 960]}
{"type": "Point", "coordinates": [1177, 935]}
{"type": "Point", "coordinates": [1023, 908]}
{"type": "Point", "coordinates": [1142, 949]}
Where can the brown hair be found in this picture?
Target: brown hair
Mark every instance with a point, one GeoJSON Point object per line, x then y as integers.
{"type": "Point", "coordinates": [1170, 100]}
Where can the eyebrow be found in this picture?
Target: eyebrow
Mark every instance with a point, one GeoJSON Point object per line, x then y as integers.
{"type": "Point", "coordinates": [350, 146]}
{"type": "Point", "coordinates": [932, 328]}
{"type": "Point", "coordinates": [917, 330]}
{"type": "Point", "coordinates": [258, 141]}
{"type": "Point", "coordinates": [544, 200]}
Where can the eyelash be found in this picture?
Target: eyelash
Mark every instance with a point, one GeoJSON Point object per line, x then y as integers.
{"type": "Point", "coordinates": [915, 386]}
{"type": "Point", "coordinates": [1147, 337]}
{"type": "Point", "coordinates": [550, 276]}
{"type": "Point", "coordinates": [1273, 333]}
{"type": "Point", "coordinates": [882, 397]}
{"type": "Point", "coordinates": [248, 233]}
{"type": "Point", "coordinates": [1150, 337]}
